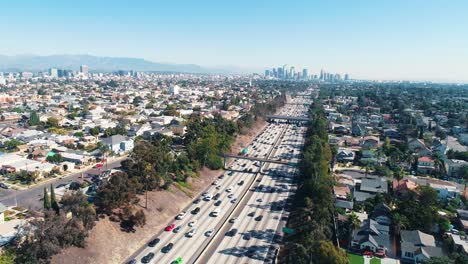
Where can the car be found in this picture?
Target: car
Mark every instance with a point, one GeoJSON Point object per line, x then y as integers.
{"type": "Point", "coordinates": [216, 196]}
{"type": "Point", "coordinates": [215, 182]}
{"type": "Point", "coordinates": [380, 254]}
{"type": "Point", "coordinates": [181, 215]}
{"type": "Point", "coordinates": [218, 203]}
{"type": "Point", "coordinates": [177, 261]}
{"type": "Point", "coordinates": [240, 183]}
{"type": "Point", "coordinates": [218, 187]}
{"type": "Point", "coordinates": [230, 195]}
{"type": "Point", "coordinates": [167, 248]}
{"type": "Point", "coordinates": [209, 232]}
{"type": "Point", "coordinates": [177, 229]}
{"type": "Point", "coordinates": [259, 200]}
{"type": "Point", "coordinates": [230, 173]}
{"type": "Point", "coordinates": [221, 177]}
{"type": "Point", "coordinates": [204, 194]}
{"type": "Point", "coordinates": [196, 211]}
{"type": "Point", "coordinates": [251, 214]}
{"type": "Point", "coordinates": [207, 197]}
{"type": "Point", "coordinates": [132, 261]}
{"type": "Point", "coordinates": [368, 253]}
{"type": "Point", "coordinates": [259, 218]}
{"type": "Point", "coordinates": [247, 236]}
{"type": "Point", "coordinates": [191, 232]}
{"type": "Point", "coordinates": [232, 232]}
{"type": "Point", "coordinates": [154, 242]}
{"type": "Point", "coordinates": [192, 223]}
{"type": "Point", "coordinates": [229, 189]}
{"type": "Point", "coordinates": [233, 220]}
{"type": "Point", "coordinates": [147, 258]}
{"type": "Point", "coordinates": [250, 170]}
{"type": "Point", "coordinates": [170, 227]}
{"type": "Point", "coordinates": [234, 200]}
{"type": "Point", "coordinates": [98, 165]}
{"type": "Point", "coordinates": [215, 213]}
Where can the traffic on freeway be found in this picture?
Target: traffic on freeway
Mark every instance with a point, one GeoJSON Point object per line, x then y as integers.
{"type": "Point", "coordinates": [240, 215]}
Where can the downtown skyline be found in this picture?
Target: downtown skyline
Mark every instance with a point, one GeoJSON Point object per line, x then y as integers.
{"type": "Point", "coordinates": [420, 40]}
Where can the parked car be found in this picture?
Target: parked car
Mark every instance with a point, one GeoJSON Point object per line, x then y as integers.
{"type": "Point", "coordinates": [196, 211]}
{"type": "Point", "coordinates": [167, 248]}
{"type": "Point", "coordinates": [181, 215]}
{"type": "Point", "coordinates": [147, 258]}
{"type": "Point", "coordinates": [177, 229]}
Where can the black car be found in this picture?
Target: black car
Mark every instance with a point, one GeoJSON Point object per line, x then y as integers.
{"type": "Point", "coordinates": [232, 232]}
{"type": "Point", "coordinates": [259, 218]}
{"type": "Point", "coordinates": [218, 203]}
{"type": "Point", "coordinates": [167, 248]}
{"type": "Point", "coordinates": [147, 258]}
{"type": "Point", "coordinates": [133, 261]}
{"type": "Point", "coordinates": [196, 210]}
{"type": "Point", "coordinates": [196, 201]}
{"type": "Point", "coordinates": [216, 196]}
{"type": "Point", "coordinates": [221, 177]}
{"type": "Point", "coordinates": [240, 183]}
{"type": "Point", "coordinates": [154, 242]}
{"type": "Point", "coordinates": [251, 214]}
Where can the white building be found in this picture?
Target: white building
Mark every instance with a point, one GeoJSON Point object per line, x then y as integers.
{"type": "Point", "coordinates": [175, 90]}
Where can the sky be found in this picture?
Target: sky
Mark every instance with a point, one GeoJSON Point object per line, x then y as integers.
{"type": "Point", "coordinates": [394, 39]}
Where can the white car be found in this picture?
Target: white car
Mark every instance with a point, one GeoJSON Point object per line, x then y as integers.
{"type": "Point", "coordinates": [192, 223]}
{"type": "Point", "coordinates": [192, 232]}
{"type": "Point", "coordinates": [207, 197]}
{"type": "Point", "coordinates": [234, 200]}
{"type": "Point", "coordinates": [259, 200]}
{"type": "Point", "coordinates": [216, 182]}
{"type": "Point", "coordinates": [209, 232]}
{"type": "Point", "coordinates": [231, 196]}
{"type": "Point", "coordinates": [229, 189]}
{"type": "Point", "coordinates": [233, 220]}
{"type": "Point", "coordinates": [181, 215]}
{"type": "Point", "coordinates": [215, 213]}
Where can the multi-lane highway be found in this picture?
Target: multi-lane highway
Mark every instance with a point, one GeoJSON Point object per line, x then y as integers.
{"type": "Point", "coordinates": [239, 218]}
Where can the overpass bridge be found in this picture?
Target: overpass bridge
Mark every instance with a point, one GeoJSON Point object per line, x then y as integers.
{"type": "Point", "coordinates": [260, 160]}
{"type": "Point", "coordinates": [300, 120]}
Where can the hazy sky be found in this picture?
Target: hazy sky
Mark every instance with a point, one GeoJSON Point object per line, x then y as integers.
{"type": "Point", "coordinates": [420, 39]}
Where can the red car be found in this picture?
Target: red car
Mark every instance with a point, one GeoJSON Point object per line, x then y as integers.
{"type": "Point", "coordinates": [380, 254]}
{"type": "Point", "coordinates": [99, 165]}
{"type": "Point", "coordinates": [368, 253]}
{"type": "Point", "coordinates": [170, 227]}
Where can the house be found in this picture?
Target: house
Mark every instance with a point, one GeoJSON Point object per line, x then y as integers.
{"type": "Point", "coordinates": [178, 129]}
{"type": "Point", "coordinates": [391, 133]}
{"type": "Point", "coordinates": [358, 130]}
{"type": "Point", "coordinates": [426, 165]}
{"type": "Point", "coordinates": [453, 166]}
{"type": "Point", "coordinates": [374, 185]}
{"type": "Point", "coordinates": [400, 187]}
{"type": "Point", "coordinates": [371, 236]}
{"type": "Point", "coordinates": [417, 145]}
{"type": "Point", "coordinates": [345, 155]}
{"type": "Point", "coordinates": [444, 189]}
{"type": "Point", "coordinates": [118, 144]}
{"type": "Point", "coordinates": [417, 246]}
{"type": "Point", "coordinates": [463, 218]}
{"type": "Point", "coordinates": [370, 142]}
{"type": "Point", "coordinates": [382, 214]}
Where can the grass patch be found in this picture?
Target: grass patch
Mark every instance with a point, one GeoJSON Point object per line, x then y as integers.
{"type": "Point", "coordinates": [355, 259]}
{"type": "Point", "coordinates": [185, 185]}
{"type": "Point", "coordinates": [375, 261]}
{"type": "Point", "coordinates": [184, 189]}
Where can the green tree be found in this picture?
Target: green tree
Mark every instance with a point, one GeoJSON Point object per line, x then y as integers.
{"type": "Point", "coordinates": [52, 122]}
{"type": "Point", "coordinates": [13, 143]}
{"type": "Point", "coordinates": [329, 253]}
{"type": "Point", "coordinates": [46, 199]}
{"type": "Point", "coordinates": [33, 118]}
{"type": "Point", "coordinates": [53, 201]}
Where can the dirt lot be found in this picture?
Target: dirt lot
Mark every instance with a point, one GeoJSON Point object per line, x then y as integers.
{"type": "Point", "coordinates": [108, 244]}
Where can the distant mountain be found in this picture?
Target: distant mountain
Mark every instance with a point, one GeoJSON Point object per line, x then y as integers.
{"type": "Point", "coordinates": [96, 63]}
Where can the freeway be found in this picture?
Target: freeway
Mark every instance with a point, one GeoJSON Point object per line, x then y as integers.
{"type": "Point", "coordinates": [199, 234]}
{"type": "Point", "coordinates": [31, 198]}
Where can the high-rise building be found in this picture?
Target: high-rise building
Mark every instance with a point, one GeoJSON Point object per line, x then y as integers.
{"type": "Point", "coordinates": [267, 73]}
{"type": "Point", "coordinates": [84, 69]}
{"type": "Point", "coordinates": [275, 74]}
{"type": "Point", "coordinates": [346, 77]}
{"type": "Point", "coordinates": [53, 73]}
{"type": "Point", "coordinates": [305, 74]}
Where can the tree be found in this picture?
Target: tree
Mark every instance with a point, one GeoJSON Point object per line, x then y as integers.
{"type": "Point", "coordinates": [439, 260]}
{"type": "Point", "coordinates": [77, 204]}
{"type": "Point", "coordinates": [53, 201]}
{"type": "Point", "coordinates": [52, 122]}
{"type": "Point", "coordinates": [46, 199]}
{"type": "Point", "coordinates": [33, 118]}
{"type": "Point", "coordinates": [94, 131]}
{"type": "Point", "coordinates": [328, 253]}
{"type": "Point", "coordinates": [12, 144]}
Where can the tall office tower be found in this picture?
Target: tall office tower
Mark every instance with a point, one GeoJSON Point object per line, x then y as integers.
{"type": "Point", "coordinates": [285, 71]}
{"type": "Point", "coordinates": [2, 79]}
{"type": "Point", "coordinates": [292, 72]}
{"type": "Point", "coordinates": [280, 73]}
{"type": "Point", "coordinates": [84, 69]}
{"type": "Point", "coordinates": [305, 74]}
{"type": "Point", "coordinates": [53, 73]}
{"type": "Point", "coordinates": [322, 75]}
{"type": "Point", "coordinates": [346, 77]}
{"type": "Point", "coordinates": [267, 73]}
{"type": "Point", "coordinates": [275, 74]}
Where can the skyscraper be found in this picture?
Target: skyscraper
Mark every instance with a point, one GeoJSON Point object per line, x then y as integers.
{"type": "Point", "coordinates": [305, 74]}
{"type": "Point", "coordinates": [53, 73]}
{"type": "Point", "coordinates": [84, 69]}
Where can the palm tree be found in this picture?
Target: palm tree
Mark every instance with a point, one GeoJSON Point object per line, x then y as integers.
{"type": "Point", "coordinates": [439, 164]}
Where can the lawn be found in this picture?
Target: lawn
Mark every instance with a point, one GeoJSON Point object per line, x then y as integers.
{"type": "Point", "coordinates": [355, 259]}
{"type": "Point", "coordinates": [375, 261]}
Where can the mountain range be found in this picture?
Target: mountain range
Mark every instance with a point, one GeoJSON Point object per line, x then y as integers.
{"type": "Point", "coordinates": [37, 63]}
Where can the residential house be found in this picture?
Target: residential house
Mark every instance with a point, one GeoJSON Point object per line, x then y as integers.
{"type": "Point", "coordinates": [463, 219]}
{"type": "Point", "coordinates": [405, 185]}
{"type": "Point", "coordinates": [370, 142]}
{"type": "Point", "coordinates": [345, 155]}
{"type": "Point", "coordinates": [426, 165]}
{"type": "Point", "coordinates": [417, 246]}
{"type": "Point", "coordinates": [453, 166]}
{"type": "Point", "coordinates": [118, 144]}
{"type": "Point", "coordinates": [417, 146]}
{"type": "Point", "coordinates": [382, 214]}
{"type": "Point", "coordinates": [371, 236]}
{"type": "Point", "coordinates": [444, 189]}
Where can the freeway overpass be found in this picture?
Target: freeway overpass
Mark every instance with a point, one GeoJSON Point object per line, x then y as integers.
{"type": "Point", "coordinates": [261, 160]}
{"type": "Point", "coordinates": [300, 120]}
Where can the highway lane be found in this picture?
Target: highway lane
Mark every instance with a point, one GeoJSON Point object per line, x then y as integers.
{"type": "Point", "coordinates": [235, 249]}
{"type": "Point", "coordinates": [30, 198]}
{"type": "Point", "coordinates": [183, 246]}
